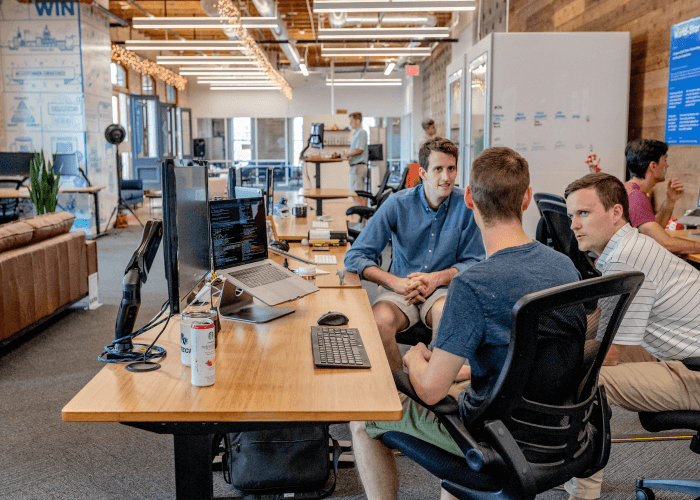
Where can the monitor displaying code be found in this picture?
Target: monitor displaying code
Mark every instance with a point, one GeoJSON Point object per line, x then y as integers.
{"type": "Point", "coordinates": [238, 231]}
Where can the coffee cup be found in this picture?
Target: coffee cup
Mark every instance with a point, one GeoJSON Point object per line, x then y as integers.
{"type": "Point", "coordinates": [299, 210]}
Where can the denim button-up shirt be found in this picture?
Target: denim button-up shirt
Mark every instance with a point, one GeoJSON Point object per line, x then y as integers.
{"type": "Point", "coordinates": [423, 239]}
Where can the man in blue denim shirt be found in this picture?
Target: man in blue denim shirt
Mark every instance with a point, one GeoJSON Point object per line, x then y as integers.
{"type": "Point", "coordinates": [433, 235]}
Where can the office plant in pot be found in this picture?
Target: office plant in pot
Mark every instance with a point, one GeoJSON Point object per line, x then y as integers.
{"type": "Point", "coordinates": [44, 184]}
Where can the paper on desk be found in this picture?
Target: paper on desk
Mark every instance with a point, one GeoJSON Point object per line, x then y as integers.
{"type": "Point", "coordinates": [321, 271]}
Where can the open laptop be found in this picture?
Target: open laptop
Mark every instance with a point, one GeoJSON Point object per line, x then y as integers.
{"type": "Point", "coordinates": [239, 247]}
{"type": "Point", "coordinates": [693, 217]}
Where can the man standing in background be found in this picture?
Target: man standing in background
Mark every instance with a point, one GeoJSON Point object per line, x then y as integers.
{"type": "Point", "coordinates": [429, 128]}
{"type": "Point", "coordinates": [357, 157]}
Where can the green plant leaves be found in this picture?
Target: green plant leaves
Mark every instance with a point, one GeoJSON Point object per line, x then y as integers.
{"type": "Point", "coordinates": [43, 189]}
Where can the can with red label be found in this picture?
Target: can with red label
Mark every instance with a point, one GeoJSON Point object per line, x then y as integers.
{"type": "Point", "coordinates": [203, 342]}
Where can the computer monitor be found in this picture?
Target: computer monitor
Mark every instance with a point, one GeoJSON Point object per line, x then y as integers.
{"type": "Point", "coordinates": [66, 164]}
{"type": "Point", "coordinates": [15, 163]}
{"type": "Point", "coordinates": [185, 227]}
{"type": "Point", "coordinates": [317, 135]}
{"type": "Point", "coordinates": [375, 152]}
{"type": "Point", "coordinates": [246, 192]}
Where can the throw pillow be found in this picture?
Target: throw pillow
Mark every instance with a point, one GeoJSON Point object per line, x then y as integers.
{"type": "Point", "coordinates": [15, 234]}
{"type": "Point", "coordinates": [49, 225]}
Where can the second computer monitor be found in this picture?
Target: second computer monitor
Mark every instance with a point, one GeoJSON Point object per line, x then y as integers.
{"type": "Point", "coordinates": [317, 135]}
{"type": "Point", "coordinates": [15, 163]}
{"type": "Point", "coordinates": [66, 164]}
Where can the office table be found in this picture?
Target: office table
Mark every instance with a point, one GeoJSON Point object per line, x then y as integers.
{"type": "Point", "coordinates": [352, 280]}
{"type": "Point", "coordinates": [297, 228]}
{"type": "Point", "coordinates": [264, 376]}
{"type": "Point", "coordinates": [325, 194]}
{"type": "Point", "coordinates": [23, 192]}
{"type": "Point", "coordinates": [685, 234]}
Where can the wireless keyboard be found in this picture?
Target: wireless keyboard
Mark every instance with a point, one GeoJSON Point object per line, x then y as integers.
{"type": "Point", "coordinates": [325, 260]}
{"type": "Point", "coordinates": [338, 348]}
{"type": "Point", "coordinates": [319, 224]}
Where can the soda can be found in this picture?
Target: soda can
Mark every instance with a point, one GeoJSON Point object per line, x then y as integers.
{"type": "Point", "coordinates": [203, 339]}
{"type": "Point", "coordinates": [185, 342]}
{"type": "Point", "coordinates": [211, 314]}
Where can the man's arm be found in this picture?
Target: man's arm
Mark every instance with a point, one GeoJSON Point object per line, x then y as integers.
{"type": "Point", "coordinates": [432, 373]}
{"type": "Point", "coordinates": [674, 192]}
{"type": "Point", "coordinates": [674, 245]}
{"type": "Point", "coordinates": [426, 283]}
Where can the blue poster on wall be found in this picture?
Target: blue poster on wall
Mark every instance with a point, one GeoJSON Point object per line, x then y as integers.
{"type": "Point", "coordinates": [683, 106]}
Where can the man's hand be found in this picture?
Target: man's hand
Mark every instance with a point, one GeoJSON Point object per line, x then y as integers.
{"type": "Point", "coordinates": [465, 373]}
{"type": "Point", "coordinates": [418, 352]}
{"type": "Point", "coordinates": [425, 283]}
{"type": "Point", "coordinates": [674, 192]}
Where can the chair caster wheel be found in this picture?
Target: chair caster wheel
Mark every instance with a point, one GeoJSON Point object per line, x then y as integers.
{"type": "Point", "coordinates": [645, 494]}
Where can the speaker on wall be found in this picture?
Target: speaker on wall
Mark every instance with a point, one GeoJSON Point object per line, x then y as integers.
{"type": "Point", "coordinates": [200, 148]}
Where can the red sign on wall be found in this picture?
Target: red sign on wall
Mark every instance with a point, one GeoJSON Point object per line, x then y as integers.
{"type": "Point", "coordinates": [411, 70]}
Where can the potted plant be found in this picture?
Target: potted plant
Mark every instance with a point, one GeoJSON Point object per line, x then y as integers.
{"type": "Point", "coordinates": [44, 184]}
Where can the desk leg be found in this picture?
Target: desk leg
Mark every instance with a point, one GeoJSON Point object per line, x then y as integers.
{"type": "Point", "coordinates": [193, 472]}
{"type": "Point", "coordinates": [319, 206]}
{"type": "Point", "coordinates": [97, 212]}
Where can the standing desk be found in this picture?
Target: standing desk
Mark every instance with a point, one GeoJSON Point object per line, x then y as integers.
{"type": "Point", "coordinates": [325, 194]}
{"type": "Point", "coordinates": [264, 376]}
{"type": "Point", "coordinates": [93, 190]}
{"type": "Point", "coordinates": [297, 228]}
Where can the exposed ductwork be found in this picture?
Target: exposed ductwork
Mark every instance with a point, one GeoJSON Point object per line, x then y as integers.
{"type": "Point", "coordinates": [266, 9]}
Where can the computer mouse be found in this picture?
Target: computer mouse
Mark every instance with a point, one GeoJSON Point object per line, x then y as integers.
{"type": "Point", "coordinates": [332, 318]}
{"type": "Point", "coordinates": [280, 245]}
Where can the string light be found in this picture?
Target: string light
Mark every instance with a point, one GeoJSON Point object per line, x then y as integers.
{"type": "Point", "coordinates": [145, 67]}
{"type": "Point", "coordinates": [228, 10]}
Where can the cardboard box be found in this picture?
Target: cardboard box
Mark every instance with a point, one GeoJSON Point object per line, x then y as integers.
{"type": "Point", "coordinates": [91, 254]}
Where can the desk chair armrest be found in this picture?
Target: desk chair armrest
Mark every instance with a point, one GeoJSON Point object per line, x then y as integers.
{"type": "Point", "coordinates": [365, 194]}
{"type": "Point", "coordinates": [363, 212]}
{"type": "Point", "coordinates": [692, 364]}
{"type": "Point", "coordinates": [477, 455]}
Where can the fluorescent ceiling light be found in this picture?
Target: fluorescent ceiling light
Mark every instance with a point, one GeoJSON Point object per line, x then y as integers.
{"type": "Point", "coordinates": [390, 68]}
{"type": "Point", "coordinates": [244, 88]}
{"type": "Point", "coordinates": [222, 69]}
{"type": "Point", "coordinates": [231, 78]}
{"type": "Point", "coordinates": [178, 60]}
{"type": "Point", "coordinates": [201, 22]}
{"type": "Point", "coordinates": [183, 45]}
{"type": "Point", "coordinates": [239, 84]}
{"type": "Point", "coordinates": [350, 33]}
{"type": "Point", "coordinates": [393, 80]}
{"type": "Point", "coordinates": [304, 69]}
{"type": "Point", "coordinates": [362, 83]}
{"type": "Point", "coordinates": [218, 74]}
{"type": "Point", "coordinates": [375, 52]}
{"type": "Point", "coordinates": [396, 19]}
{"type": "Point", "coordinates": [394, 6]}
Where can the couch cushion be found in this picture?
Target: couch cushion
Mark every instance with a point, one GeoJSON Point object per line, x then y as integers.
{"type": "Point", "coordinates": [15, 234]}
{"type": "Point", "coordinates": [49, 225]}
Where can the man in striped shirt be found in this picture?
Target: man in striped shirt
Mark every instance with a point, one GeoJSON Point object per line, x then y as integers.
{"type": "Point", "coordinates": [664, 317]}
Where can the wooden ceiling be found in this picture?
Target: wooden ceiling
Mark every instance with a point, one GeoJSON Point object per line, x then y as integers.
{"type": "Point", "coordinates": [294, 13]}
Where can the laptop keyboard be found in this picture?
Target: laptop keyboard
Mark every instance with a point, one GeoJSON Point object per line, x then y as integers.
{"type": "Point", "coordinates": [259, 275]}
{"type": "Point", "coordinates": [326, 260]}
{"type": "Point", "coordinates": [338, 347]}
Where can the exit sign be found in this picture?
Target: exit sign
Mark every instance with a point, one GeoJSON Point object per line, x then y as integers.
{"type": "Point", "coordinates": [411, 70]}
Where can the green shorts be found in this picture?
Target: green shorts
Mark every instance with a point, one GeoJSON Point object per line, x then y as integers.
{"type": "Point", "coordinates": [418, 422]}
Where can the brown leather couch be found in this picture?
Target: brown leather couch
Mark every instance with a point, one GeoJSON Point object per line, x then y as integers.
{"type": "Point", "coordinates": [43, 270]}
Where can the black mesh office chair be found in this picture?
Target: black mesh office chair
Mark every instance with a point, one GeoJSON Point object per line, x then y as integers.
{"type": "Point", "coordinates": [365, 213]}
{"type": "Point", "coordinates": [541, 234]}
{"type": "Point", "coordinates": [515, 448]}
{"type": "Point", "coordinates": [563, 239]}
{"type": "Point", "coordinates": [668, 421]}
{"type": "Point", "coordinates": [9, 207]}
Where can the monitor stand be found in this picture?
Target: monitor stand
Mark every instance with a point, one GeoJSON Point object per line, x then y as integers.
{"type": "Point", "coordinates": [237, 305]}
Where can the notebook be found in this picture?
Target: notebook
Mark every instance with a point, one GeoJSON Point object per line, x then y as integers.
{"type": "Point", "coordinates": [239, 249]}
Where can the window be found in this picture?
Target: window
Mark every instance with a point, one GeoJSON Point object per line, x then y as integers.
{"type": "Point", "coordinates": [118, 74]}
{"type": "Point", "coordinates": [367, 122]}
{"type": "Point", "coordinates": [120, 112]}
{"type": "Point", "coordinates": [271, 139]}
{"type": "Point", "coordinates": [242, 138]}
{"type": "Point", "coordinates": [297, 139]}
{"type": "Point", "coordinates": [171, 94]}
{"type": "Point", "coordinates": [148, 85]}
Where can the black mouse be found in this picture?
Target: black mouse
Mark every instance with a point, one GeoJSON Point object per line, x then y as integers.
{"type": "Point", "coordinates": [280, 245]}
{"type": "Point", "coordinates": [332, 318]}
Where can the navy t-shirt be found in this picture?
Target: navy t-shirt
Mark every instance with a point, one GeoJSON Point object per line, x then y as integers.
{"type": "Point", "coordinates": [476, 322]}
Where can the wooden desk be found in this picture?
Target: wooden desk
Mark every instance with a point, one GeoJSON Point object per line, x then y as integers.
{"type": "Point", "coordinates": [264, 375]}
{"type": "Point", "coordinates": [23, 192]}
{"type": "Point", "coordinates": [684, 234]}
{"type": "Point", "coordinates": [331, 280]}
{"type": "Point", "coordinates": [325, 194]}
{"type": "Point", "coordinates": [297, 228]}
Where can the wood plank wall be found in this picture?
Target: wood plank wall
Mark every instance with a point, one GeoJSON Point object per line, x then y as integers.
{"type": "Point", "coordinates": [649, 22]}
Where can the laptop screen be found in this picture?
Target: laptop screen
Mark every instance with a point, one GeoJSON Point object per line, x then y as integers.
{"type": "Point", "coordinates": [238, 231]}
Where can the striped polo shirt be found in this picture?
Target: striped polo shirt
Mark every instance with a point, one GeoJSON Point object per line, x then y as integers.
{"type": "Point", "coordinates": [664, 317]}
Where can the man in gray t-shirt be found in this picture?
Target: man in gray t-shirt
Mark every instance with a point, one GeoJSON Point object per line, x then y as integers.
{"type": "Point", "coordinates": [357, 157]}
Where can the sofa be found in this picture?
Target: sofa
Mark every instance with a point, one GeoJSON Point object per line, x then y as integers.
{"type": "Point", "coordinates": [132, 191]}
{"type": "Point", "coordinates": [44, 269]}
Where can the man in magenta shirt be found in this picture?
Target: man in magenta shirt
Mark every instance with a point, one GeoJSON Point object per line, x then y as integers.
{"type": "Point", "coordinates": [646, 161]}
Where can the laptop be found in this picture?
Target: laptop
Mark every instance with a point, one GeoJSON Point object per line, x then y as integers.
{"type": "Point", "coordinates": [239, 248]}
{"type": "Point", "coordinates": [692, 218]}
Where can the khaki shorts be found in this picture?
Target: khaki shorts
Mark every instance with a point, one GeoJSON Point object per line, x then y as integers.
{"type": "Point", "coordinates": [414, 312]}
{"type": "Point", "coordinates": [418, 422]}
{"type": "Point", "coordinates": [358, 174]}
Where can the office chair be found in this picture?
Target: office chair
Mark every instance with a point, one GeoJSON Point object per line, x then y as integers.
{"type": "Point", "coordinates": [563, 239]}
{"type": "Point", "coordinates": [514, 447]}
{"type": "Point", "coordinates": [541, 233]}
{"type": "Point", "coordinates": [9, 207]}
{"type": "Point", "coordinates": [667, 421]}
{"type": "Point", "coordinates": [549, 197]}
{"type": "Point", "coordinates": [366, 212]}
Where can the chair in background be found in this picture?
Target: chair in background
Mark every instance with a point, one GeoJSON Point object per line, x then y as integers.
{"type": "Point", "coordinates": [667, 421]}
{"type": "Point", "coordinates": [514, 447]}
{"type": "Point", "coordinates": [132, 191]}
{"type": "Point", "coordinates": [541, 234]}
{"type": "Point", "coordinates": [9, 207]}
{"type": "Point", "coordinates": [563, 238]}
{"type": "Point", "coordinates": [365, 213]}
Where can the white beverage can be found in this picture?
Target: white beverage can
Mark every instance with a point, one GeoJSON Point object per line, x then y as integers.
{"type": "Point", "coordinates": [185, 343]}
{"type": "Point", "coordinates": [203, 341]}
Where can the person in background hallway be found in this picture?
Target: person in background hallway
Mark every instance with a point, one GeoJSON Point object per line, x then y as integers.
{"type": "Point", "coordinates": [646, 162]}
{"type": "Point", "coordinates": [433, 235]}
{"type": "Point", "coordinates": [429, 128]}
{"type": "Point", "coordinates": [357, 157]}
{"type": "Point", "coordinates": [664, 317]}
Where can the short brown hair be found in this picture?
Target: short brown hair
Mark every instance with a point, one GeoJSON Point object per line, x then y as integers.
{"type": "Point", "coordinates": [498, 182]}
{"type": "Point", "coordinates": [427, 123]}
{"type": "Point", "coordinates": [355, 116]}
{"type": "Point", "coordinates": [609, 189]}
{"type": "Point", "coordinates": [436, 144]}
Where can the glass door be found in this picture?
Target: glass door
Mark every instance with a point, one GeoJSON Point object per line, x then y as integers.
{"type": "Point", "coordinates": [477, 134]}
{"type": "Point", "coordinates": [184, 137]}
{"type": "Point", "coordinates": [167, 131]}
{"type": "Point", "coordinates": [453, 119]}
{"type": "Point", "coordinates": [143, 117]}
